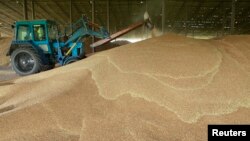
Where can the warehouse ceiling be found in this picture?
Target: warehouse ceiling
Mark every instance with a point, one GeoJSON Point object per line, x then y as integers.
{"type": "Point", "coordinates": [179, 16]}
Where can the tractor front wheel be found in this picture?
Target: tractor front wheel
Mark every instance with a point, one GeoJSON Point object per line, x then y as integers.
{"type": "Point", "coordinates": [70, 60]}
{"type": "Point", "coordinates": [25, 61]}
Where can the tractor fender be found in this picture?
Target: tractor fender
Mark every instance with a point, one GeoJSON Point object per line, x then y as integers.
{"type": "Point", "coordinates": [16, 44]}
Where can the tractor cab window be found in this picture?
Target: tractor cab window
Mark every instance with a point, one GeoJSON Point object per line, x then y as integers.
{"type": "Point", "coordinates": [23, 33]}
{"type": "Point", "coordinates": [39, 32]}
{"type": "Point", "coordinates": [52, 31]}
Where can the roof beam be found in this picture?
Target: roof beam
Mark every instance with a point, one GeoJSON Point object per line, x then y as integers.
{"type": "Point", "coordinates": [11, 8]}
{"type": "Point", "coordinates": [56, 16]}
{"type": "Point", "coordinates": [16, 15]}
{"type": "Point", "coordinates": [7, 19]}
{"type": "Point", "coordinates": [46, 14]}
{"type": "Point", "coordinates": [65, 14]}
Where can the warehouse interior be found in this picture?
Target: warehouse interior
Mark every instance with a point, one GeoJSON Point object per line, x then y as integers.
{"type": "Point", "coordinates": [124, 70]}
{"type": "Point", "coordinates": [189, 17]}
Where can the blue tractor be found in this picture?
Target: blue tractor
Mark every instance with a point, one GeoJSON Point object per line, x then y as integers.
{"type": "Point", "coordinates": [38, 45]}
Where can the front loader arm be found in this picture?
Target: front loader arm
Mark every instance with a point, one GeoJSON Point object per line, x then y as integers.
{"type": "Point", "coordinates": [83, 28]}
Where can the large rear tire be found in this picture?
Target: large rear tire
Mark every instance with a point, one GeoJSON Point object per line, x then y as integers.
{"type": "Point", "coordinates": [26, 61]}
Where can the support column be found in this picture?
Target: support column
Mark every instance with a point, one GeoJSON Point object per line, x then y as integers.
{"type": "Point", "coordinates": [25, 13]}
{"type": "Point", "coordinates": [93, 10]}
{"type": "Point", "coordinates": [186, 20]}
{"type": "Point", "coordinates": [146, 6]}
{"type": "Point", "coordinates": [33, 9]}
{"type": "Point", "coordinates": [163, 16]}
{"type": "Point", "coordinates": [93, 20]}
{"type": "Point", "coordinates": [70, 16]}
{"type": "Point", "coordinates": [223, 12]}
{"type": "Point", "coordinates": [70, 12]}
{"type": "Point", "coordinates": [233, 17]}
{"type": "Point", "coordinates": [108, 17]}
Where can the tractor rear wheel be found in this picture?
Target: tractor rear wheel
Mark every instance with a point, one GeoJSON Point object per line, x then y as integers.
{"type": "Point", "coordinates": [25, 61]}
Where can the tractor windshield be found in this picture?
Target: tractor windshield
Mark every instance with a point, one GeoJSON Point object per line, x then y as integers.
{"type": "Point", "coordinates": [52, 31]}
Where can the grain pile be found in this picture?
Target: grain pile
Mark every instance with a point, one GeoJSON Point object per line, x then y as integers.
{"type": "Point", "coordinates": [4, 46]}
{"type": "Point", "coordinates": [164, 88]}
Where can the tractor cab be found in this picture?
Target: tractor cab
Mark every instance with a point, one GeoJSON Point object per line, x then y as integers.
{"type": "Point", "coordinates": [39, 33]}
